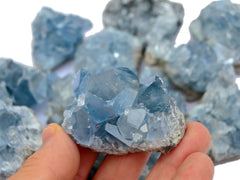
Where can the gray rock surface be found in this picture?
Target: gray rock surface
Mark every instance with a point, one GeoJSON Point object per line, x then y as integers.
{"type": "Point", "coordinates": [55, 37]}
{"type": "Point", "coordinates": [113, 113]}
{"type": "Point", "coordinates": [218, 25]}
{"type": "Point", "coordinates": [219, 112]}
{"type": "Point", "coordinates": [27, 86]}
{"type": "Point", "coordinates": [107, 49]}
{"type": "Point", "coordinates": [20, 136]}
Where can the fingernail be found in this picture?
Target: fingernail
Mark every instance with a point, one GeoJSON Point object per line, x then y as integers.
{"type": "Point", "coordinates": [49, 132]}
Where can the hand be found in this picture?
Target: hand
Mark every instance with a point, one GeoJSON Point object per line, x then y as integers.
{"type": "Point", "coordinates": [61, 159]}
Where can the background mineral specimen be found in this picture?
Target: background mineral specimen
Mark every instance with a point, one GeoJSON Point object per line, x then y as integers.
{"type": "Point", "coordinates": [156, 23]}
{"type": "Point", "coordinates": [55, 37]}
{"type": "Point", "coordinates": [218, 25]}
{"type": "Point", "coordinates": [20, 136]}
{"type": "Point", "coordinates": [4, 95]}
{"type": "Point", "coordinates": [219, 112]}
{"type": "Point", "coordinates": [193, 66]}
{"type": "Point", "coordinates": [146, 19]}
{"type": "Point", "coordinates": [107, 49]}
{"type": "Point", "coordinates": [61, 96]}
{"type": "Point", "coordinates": [113, 113]}
{"type": "Point", "coordinates": [27, 85]}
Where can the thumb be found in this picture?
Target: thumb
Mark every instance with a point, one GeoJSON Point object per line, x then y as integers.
{"type": "Point", "coordinates": [57, 159]}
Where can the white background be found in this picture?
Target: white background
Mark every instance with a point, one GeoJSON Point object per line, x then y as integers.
{"type": "Point", "coordinates": [15, 37]}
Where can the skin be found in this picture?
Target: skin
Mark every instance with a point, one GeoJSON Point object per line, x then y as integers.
{"type": "Point", "coordinates": [60, 158]}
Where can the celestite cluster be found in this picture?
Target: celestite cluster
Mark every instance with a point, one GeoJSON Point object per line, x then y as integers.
{"type": "Point", "coordinates": [219, 112]}
{"type": "Point", "coordinates": [26, 85]}
{"type": "Point", "coordinates": [108, 49]}
{"type": "Point", "coordinates": [56, 37]}
{"type": "Point", "coordinates": [113, 113]}
{"type": "Point", "coordinates": [218, 25]}
{"type": "Point", "coordinates": [20, 136]}
{"type": "Point", "coordinates": [193, 66]}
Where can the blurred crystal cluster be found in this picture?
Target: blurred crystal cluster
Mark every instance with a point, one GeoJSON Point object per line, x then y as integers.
{"type": "Point", "coordinates": [131, 75]}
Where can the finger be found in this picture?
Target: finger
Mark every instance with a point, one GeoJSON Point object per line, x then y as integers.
{"type": "Point", "coordinates": [197, 166]}
{"type": "Point", "coordinates": [121, 167]}
{"type": "Point", "coordinates": [196, 139]}
{"type": "Point", "coordinates": [87, 160]}
{"type": "Point", "coordinates": [58, 158]}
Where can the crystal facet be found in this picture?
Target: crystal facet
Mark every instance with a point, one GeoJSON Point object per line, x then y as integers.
{"type": "Point", "coordinates": [113, 113]}
{"type": "Point", "coordinates": [55, 37]}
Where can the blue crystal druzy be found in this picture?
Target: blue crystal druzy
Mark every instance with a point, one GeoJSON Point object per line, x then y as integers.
{"type": "Point", "coordinates": [115, 114]}
{"type": "Point", "coordinates": [20, 136]}
{"type": "Point", "coordinates": [218, 25]}
{"type": "Point", "coordinates": [108, 49]}
{"type": "Point", "coordinates": [55, 37]}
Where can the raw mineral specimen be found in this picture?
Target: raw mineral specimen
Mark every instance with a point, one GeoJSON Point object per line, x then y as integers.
{"type": "Point", "coordinates": [219, 112]}
{"type": "Point", "coordinates": [219, 25]}
{"type": "Point", "coordinates": [55, 37]}
{"type": "Point", "coordinates": [113, 113]}
{"type": "Point", "coordinates": [20, 136]}
{"type": "Point", "coordinates": [27, 85]}
{"type": "Point", "coordinates": [107, 49]}
{"type": "Point", "coordinates": [147, 76]}
{"type": "Point", "coordinates": [61, 96]}
{"type": "Point", "coordinates": [4, 95]}
{"type": "Point", "coordinates": [147, 19]}
{"type": "Point", "coordinates": [193, 66]}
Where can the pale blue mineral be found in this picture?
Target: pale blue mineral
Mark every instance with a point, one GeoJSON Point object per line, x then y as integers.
{"type": "Point", "coordinates": [61, 95]}
{"type": "Point", "coordinates": [20, 136]}
{"type": "Point", "coordinates": [149, 20]}
{"type": "Point", "coordinates": [4, 95]}
{"type": "Point", "coordinates": [107, 49]}
{"type": "Point", "coordinates": [219, 112]}
{"type": "Point", "coordinates": [147, 76]}
{"type": "Point", "coordinates": [27, 86]}
{"type": "Point", "coordinates": [219, 25]}
{"type": "Point", "coordinates": [193, 66]}
{"type": "Point", "coordinates": [56, 36]}
{"type": "Point", "coordinates": [113, 113]}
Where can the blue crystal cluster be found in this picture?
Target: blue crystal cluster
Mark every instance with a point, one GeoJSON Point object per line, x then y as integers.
{"type": "Point", "coordinates": [145, 18]}
{"type": "Point", "coordinates": [218, 25]}
{"type": "Point", "coordinates": [115, 114]}
{"type": "Point", "coordinates": [193, 66]}
{"type": "Point", "coordinates": [55, 37]}
{"type": "Point", "coordinates": [107, 49]}
{"type": "Point", "coordinates": [26, 85]}
{"type": "Point", "coordinates": [219, 112]}
{"type": "Point", "coordinates": [20, 136]}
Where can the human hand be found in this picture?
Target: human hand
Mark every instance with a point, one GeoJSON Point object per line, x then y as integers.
{"type": "Point", "coordinates": [60, 158]}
